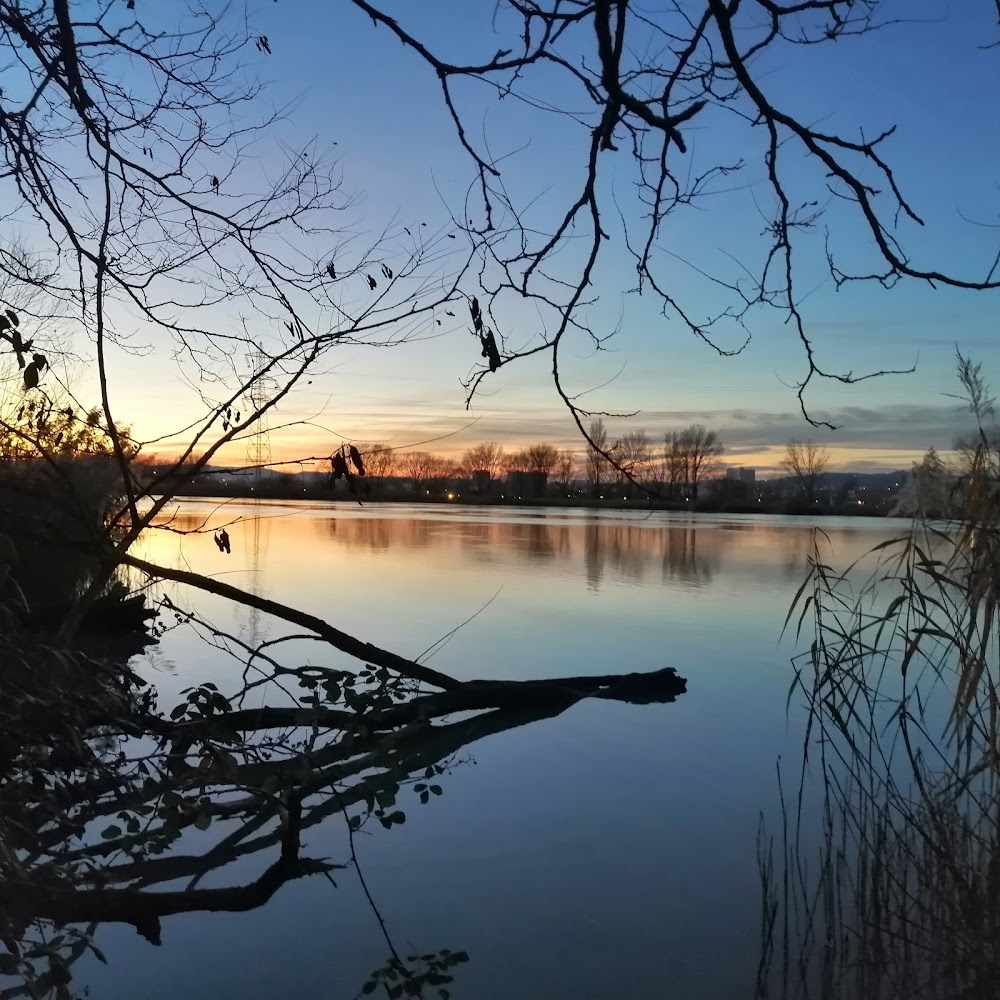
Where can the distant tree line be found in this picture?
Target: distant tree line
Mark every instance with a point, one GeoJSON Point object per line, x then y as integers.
{"type": "Point", "coordinates": [384, 462]}
{"type": "Point", "coordinates": [673, 466]}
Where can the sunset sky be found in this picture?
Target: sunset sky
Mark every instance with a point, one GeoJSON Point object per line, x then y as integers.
{"type": "Point", "coordinates": [358, 87]}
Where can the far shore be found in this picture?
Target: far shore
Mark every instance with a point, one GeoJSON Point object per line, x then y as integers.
{"type": "Point", "coordinates": [709, 505]}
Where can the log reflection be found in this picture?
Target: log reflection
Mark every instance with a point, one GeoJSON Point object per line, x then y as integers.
{"type": "Point", "coordinates": [106, 801]}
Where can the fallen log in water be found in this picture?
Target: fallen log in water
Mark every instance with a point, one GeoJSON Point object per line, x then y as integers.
{"type": "Point", "coordinates": [662, 685]}
{"type": "Point", "coordinates": [268, 772]}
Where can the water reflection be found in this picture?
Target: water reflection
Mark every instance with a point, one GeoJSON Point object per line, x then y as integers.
{"type": "Point", "coordinates": [256, 538]}
{"type": "Point", "coordinates": [678, 789]}
{"type": "Point", "coordinates": [679, 551]}
{"type": "Point", "coordinates": [686, 554]}
{"type": "Point", "coordinates": [637, 550]}
{"type": "Point", "coordinates": [114, 812]}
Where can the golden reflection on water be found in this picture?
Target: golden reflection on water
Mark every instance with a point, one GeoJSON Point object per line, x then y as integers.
{"type": "Point", "coordinates": [684, 552]}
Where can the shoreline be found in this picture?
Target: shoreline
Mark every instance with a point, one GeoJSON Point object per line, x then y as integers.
{"type": "Point", "coordinates": [776, 508]}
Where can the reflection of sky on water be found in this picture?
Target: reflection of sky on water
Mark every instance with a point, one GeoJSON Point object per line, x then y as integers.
{"type": "Point", "coordinates": [605, 853]}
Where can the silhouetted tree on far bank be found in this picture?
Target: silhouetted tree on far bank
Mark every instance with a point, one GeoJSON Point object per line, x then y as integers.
{"type": "Point", "coordinates": [539, 458]}
{"type": "Point", "coordinates": [634, 457]}
{"type": "Point", "coordinates": [690, 456]}
{"type": "Point", "coordinates": [421, 466]}
{"type": "Point", "coordinates": [488, 457]}
{"type": "Point", "coordinates": [381, 461]}
{"type": "Point", "coordinates": [564, 469]}
{"type": "Point", "coordinates": [805, 462]}
{"type": "Point", "coordinates": [597, 465]}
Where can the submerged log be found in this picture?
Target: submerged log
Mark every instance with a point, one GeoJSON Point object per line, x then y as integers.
{"type": "Point", "coordinates": [662, 685]}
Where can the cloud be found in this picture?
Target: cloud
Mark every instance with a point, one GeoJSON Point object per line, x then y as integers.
{"type": "Point", "coordinates": [897, 427]}
{"type": "Point", "coordinates": [868, 438]}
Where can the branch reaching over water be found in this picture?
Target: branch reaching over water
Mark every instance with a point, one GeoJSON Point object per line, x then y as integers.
{"type": "Point", "coordinates": [335, 637]}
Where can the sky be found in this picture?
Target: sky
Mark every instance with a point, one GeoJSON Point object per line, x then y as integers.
{"type": "Point", "coordinates": [354, 85]}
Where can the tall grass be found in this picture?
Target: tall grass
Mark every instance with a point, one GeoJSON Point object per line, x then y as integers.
{"type": "Point", "coordinates": [884, 878]}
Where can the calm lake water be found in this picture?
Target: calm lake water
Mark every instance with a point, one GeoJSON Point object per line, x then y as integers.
{"type": "Point", "coordinates": [609, 852]}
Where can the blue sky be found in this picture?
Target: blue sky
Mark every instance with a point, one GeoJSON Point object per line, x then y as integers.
{"type": "Point", "coordinates": [357, 86]}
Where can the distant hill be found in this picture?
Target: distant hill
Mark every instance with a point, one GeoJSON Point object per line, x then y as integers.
{"type": "Point", "coordinates": [851, 480]}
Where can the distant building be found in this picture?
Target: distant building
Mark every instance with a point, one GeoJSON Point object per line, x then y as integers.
{"type": "Point", "coordinates": [481, 481]}
{"type": "Point", "coordinates": [527, 484]}
{"type": "Point", "coordinates": [742, 474]}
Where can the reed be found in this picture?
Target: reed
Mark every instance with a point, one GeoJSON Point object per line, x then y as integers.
{"type": "Point", "coordinates": [884, 877]}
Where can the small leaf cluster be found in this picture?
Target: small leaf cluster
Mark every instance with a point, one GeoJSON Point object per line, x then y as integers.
{"type": "Point", "coordinates": [324, 687]}
{"type": "Point", "coordinates": [230, 418]}
{"type": "Point", "coordinates": [410, 978]}
{"type": "Point", "coordinates": [381, 805]}
{"type": "Point", "coordinates": [129, 819]}
{"type": "Point", "coordinates": [177, 811]}
{"type": "Point", "coordinates": [371, 689]}
{"type": "Point", "coordinates": [425, 791]}
{"type": "Point", "coordinates": [173, 813]}
{"type": "Point", "coordinates": [201, 702]}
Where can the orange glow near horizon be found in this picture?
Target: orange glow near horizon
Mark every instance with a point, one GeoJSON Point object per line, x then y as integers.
{"type": "Point", "coordinates": [286, 456]}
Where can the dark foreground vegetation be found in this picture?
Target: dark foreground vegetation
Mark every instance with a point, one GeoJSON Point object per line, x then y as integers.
{"type": "Point", "coordinates": [881, 877]}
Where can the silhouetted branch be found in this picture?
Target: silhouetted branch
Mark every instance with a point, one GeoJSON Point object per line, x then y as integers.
{"type": "Point", "coordinates": [643, 78]}
{"type": "Point", "coordinates": [143, 910]}
{"type": "Point", "coordinates": [339, 640]}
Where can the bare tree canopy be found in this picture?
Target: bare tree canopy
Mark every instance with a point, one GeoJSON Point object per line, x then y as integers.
{"type": "Point", "coordinates": [674, 465]}
{"type": "Point", "coordinates": [640, 92]}
{"type": "Point", "coordinates": [597, 464]}
{"type": "Point", "coordinates": [381, 461]}
{"type": "Point", "coordinates": [487, 457]}
{"type": "Point", "coordinates": [422, 465]}
{"type": "Point", "coordinates": [541, 457]}
{"type": "Point", "coordinates": [152, 212]}
{"type": "Point", "coordinates": [634, 458]}
{"type": "Point", "coordinates": [690, 456]}
{"type": "Point", "coordinates": [565, 467]}
{"type": "Point", "coordinates": [805, 461]}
